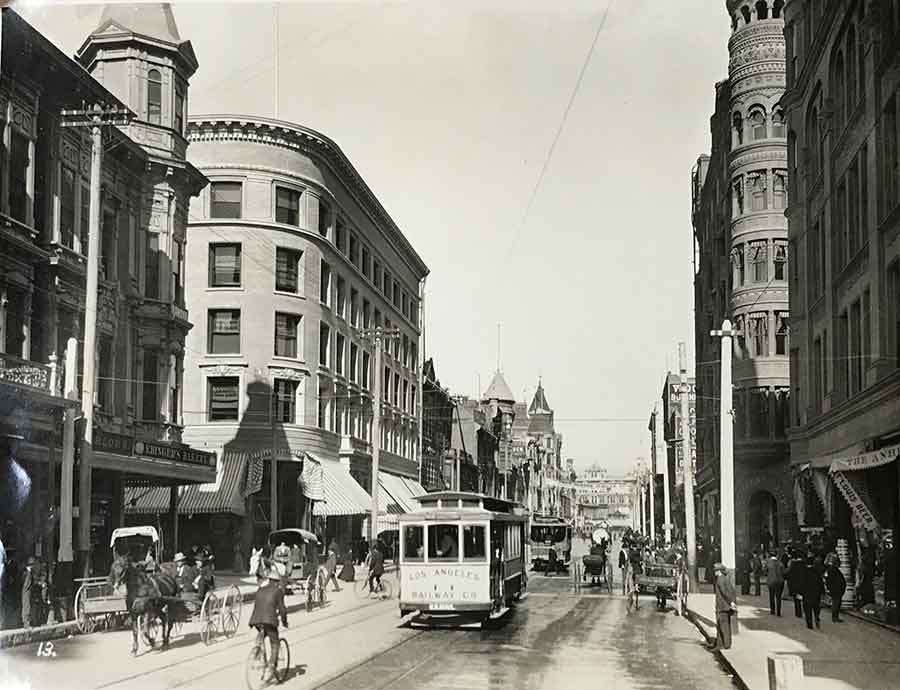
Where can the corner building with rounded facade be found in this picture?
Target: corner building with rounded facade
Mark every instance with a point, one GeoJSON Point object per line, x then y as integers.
{"type": "Point", "coordinates": [292, 255]}
{"type": "Point", "coordinates": [741, 234]}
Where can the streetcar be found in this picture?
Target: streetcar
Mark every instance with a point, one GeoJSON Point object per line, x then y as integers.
{"type": "Point", "coordinates": [550, 532]}
{"type": "Point", "coordinates": [461, 558]}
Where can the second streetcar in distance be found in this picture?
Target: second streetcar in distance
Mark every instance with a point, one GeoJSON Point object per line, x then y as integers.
{"type": "Point", "coordinates": [550, 532]}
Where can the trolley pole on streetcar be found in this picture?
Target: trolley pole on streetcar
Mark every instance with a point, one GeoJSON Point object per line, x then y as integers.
{"type": "Point", "coordinates": [97, 119]}
{"type": "Point", "coordinates": [379, 335]}
{"type": "Point", "coordinates": [688, 469]}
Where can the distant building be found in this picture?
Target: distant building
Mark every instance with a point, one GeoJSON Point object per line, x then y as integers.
{"type": "Point", "coordinates": [601, 498]}
{"type": "Point", "coordinates": [438, 414]}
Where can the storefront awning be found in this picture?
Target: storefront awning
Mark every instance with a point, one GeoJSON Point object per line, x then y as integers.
{"type": "Point", "coordinates": [398, 499]}
{"type": "Point", "coordinates": [219, 496]}
{"type": "Point", "coordinates": [343, 495]}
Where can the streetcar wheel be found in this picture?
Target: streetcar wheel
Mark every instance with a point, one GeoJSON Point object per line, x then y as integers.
{"type": "Point", "coordinates": [284, 660]}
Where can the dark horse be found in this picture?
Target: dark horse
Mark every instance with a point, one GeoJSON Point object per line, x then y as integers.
{"type": "Point", "coordinates": [148, 595]}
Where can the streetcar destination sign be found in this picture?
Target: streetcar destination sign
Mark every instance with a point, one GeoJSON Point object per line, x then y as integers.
{"type": "Point", "coordinates": [444, 584]}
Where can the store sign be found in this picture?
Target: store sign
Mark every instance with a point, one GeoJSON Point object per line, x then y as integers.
{"type": "Point", "coordinates": [866, 461]}
{"type": "Point", "coordinates": [444, 584]}
{"type": "Point", "coordinates": [854, 500]}
{"type": "Point", "coordinates": [117, 444]}
{"type": "Point", "coordinates": [165, 451]}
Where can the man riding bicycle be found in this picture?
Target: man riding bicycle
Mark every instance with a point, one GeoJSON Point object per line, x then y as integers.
{"type": "Point", "coordinates": [376, 567]}
{"type": "Point", "coordinates": [267, 607]}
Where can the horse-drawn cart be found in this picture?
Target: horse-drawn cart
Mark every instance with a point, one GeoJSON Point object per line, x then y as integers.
{"type": "Point", "coordinates": [659, 578]}
{"type": "Point", "coordinates": [596, 564]}
{"type": "Point", "coordinates": [218, 613]}
{"type": "Point", "coordinates": [295, 556]}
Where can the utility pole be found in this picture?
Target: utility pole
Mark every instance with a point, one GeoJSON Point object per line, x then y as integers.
{"type": "Point", "coordinates": [96, 118]}
{"type": "Point", "coordinates": [667, 507]}
{"type": "Point", "coordinates": [65, 554]}
{"type": "Point", "coordinates": [379, 335]}
{"type": "Point", "coordinates": [726, 450]}
{"type": "Point", "coordinates": [653, 479]}
{"type": "Point", "coordinates": [689, 522]}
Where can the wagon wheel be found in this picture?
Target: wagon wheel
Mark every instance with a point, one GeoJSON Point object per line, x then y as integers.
{"type": "Point", "coordinates": [208, 615]}
{"type": "Point", "coordinates": [231, 611]}
{"type": "Point", "coordinates": [86, 623]}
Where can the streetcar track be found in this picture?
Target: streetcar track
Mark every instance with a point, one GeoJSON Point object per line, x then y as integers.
{"type": "Point", "coordinates": [235, 644]}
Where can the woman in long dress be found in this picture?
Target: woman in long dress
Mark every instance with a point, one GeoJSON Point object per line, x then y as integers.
{"type": "Point", "coordinates": [348, 572]}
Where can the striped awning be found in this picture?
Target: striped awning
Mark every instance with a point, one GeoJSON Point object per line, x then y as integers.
{"type": "Point", "coordinates": [220, 496]}
{"type": "Point", "coordinates": [312, 481]}
{"type": "Point", "coordinates": [401, 500]}
{"type": "Point", "coordinates": [343, 495]}
{"type": "Point", "coordinates": [386, 523]}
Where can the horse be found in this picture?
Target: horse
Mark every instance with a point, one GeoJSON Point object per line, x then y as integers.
{"type": "Point", "coordinates": [146, 595]}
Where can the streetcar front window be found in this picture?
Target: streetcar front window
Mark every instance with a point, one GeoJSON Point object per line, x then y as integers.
{"type": "Point", "coordinates": [443, 542]}
{"type": "Point", "coordinates": [473, 543]}
{"type": "Point", "coordinates": [548, 535]}
{"type": "Point", "coordinates": [413, 543]}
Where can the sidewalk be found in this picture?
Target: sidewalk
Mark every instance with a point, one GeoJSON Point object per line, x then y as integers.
{"type": "Point", "coordinates": [841, 656]}
{"type": "Point", "coordinates": [245, 583]}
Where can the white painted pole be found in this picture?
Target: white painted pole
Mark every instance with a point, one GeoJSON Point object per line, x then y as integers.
{"type": "Point", "coordinates": [726, 445]}
{"type": "Point", "coordinates": [689, 520]}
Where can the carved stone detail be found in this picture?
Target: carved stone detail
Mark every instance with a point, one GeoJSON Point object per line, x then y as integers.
{"type": "Point", "coordinates": [222, 369]}
{"type": "Point", "coordinates": [285, 373]}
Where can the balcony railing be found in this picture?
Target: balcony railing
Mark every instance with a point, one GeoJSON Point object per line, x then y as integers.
{"type": "Point", "coordinates": [24, 372]}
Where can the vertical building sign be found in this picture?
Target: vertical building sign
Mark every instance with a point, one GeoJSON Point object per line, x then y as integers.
{"type": "Point", "coordinates": [675, 405]}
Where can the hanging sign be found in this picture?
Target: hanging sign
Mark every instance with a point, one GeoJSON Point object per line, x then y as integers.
{"type": "Point", "coordinates": [857, 505]}
{"type": "Point", "coordinates": [865, 461]}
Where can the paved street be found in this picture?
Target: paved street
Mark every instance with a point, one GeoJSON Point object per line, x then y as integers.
{"type": "Point", "coordinates": [554, 639]}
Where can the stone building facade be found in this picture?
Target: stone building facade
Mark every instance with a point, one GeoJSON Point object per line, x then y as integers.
{"type": "Point", "coordinates": [295, 257]}
{"type": "Point", "coordinates": [844, 227]}
{"type": "Point", "coordinates": [741, 241]}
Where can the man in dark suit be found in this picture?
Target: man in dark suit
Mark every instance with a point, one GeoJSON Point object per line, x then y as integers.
{"type": "Point", "coordinates": [726, 606]}
{"type": "Point", "coordinates": [268, 606]}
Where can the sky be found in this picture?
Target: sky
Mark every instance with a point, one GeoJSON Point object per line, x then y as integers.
{"type": "Point", "coordinates": [450, 112]}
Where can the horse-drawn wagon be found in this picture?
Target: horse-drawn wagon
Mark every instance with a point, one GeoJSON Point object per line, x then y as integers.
{"type": "Point", "coordinates": [660, 578]}
{"type": "Point", "coordinates": [295, 556]}
{"type": "Point", "coordinates": [596, 564]}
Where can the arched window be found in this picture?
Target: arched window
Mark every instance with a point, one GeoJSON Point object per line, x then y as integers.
{"type": "Point", "coordinates": [778, 124]}
{"type": "Point", "coordinates": [762, 10]}
{"type": "Point", "coordinates": [837, 94]}
{"type": "Point", "coordinates": [745, 12]}
{"type": "Point", "coordinates": [758, 191]}
{"type": "Point", "coordinates": [737, 266]}
{"type": "Point", "coordinates": [154, 97]}
{"type": "Point", "coordinates": [851, 70]}
{"type": "Point", "coordinates": [779, 191]}
{"type": "Point", "coordinates": [812, 141]}
{"type": "Point", "coordinates": [758, 124]}
{"type": "Point", "coordinates": [737, 123]}
{"type": "Point", "coordinates": [738, 196]}
{"type": "Point", "coordinates": [777, 8]}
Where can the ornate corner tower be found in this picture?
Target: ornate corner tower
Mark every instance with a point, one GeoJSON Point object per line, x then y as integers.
{"type": "Point", "coordinates": [757, 170]}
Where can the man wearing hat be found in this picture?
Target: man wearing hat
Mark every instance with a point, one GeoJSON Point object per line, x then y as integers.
{"type": "Point", "coordinates": [268, 607]}
{"type": "Point", "coordinates": [185, 574]}
{"type": "Point", "coordinates": [204, 581]}
{"type": "Point", "coordinates": [726, 606]}
{"type": "Point", "coordinates": [31, 593]}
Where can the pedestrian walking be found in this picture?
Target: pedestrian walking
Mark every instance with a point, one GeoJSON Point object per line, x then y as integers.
{"type": "Point", "coordinates": [775, 583]}
{"type": "Point", "coordinates": [796, 582]}
{"type": "Point", "coordinates": [837, 585]}
{"type": "Point", "coordinates": [812, 593]}
{"type": "Point", "coordinates": [726, 607]}
{"type": "Point", "coordinates": [623, 563]}
{"type": "Point", "coordinates": [348, 572]}
{"type": "Point", "coordinates": [331, 565]}
{"type": "Point", "coordinates": [742, 573]}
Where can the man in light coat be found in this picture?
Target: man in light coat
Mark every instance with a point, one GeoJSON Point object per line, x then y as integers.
{"type": "Point", "coordinates": [726, 606]}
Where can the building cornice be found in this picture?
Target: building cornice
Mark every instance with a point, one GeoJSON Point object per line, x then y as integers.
{"type": "Point", "coordinates": [311, 143]}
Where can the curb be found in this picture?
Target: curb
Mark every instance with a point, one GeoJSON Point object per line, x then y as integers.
{"type": "Point", "coordinates": [14, 638]}
{"type": "Point", "coordinates": [692, 616]}
{"type": "Point", "coordinates": [871, 621]}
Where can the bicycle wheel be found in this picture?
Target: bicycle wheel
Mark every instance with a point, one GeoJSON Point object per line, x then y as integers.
{"type": "Point", "coordinates": [255, 667]}
{"type": "Point", "coordinates": [387, 589]}
{"type": "Point", "coordinates": [284, 660]}
{"type": "Point", "coordinates": [361, 587]}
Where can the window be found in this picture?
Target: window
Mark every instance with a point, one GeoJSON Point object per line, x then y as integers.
{"type": "Point", "coordinates": [109, 233]}
{"type": "Point", "coordinates": [325, 284]}
{"type": "Point", "coordinates": [395, 392]}
{"type": "Point", "coordinates": [779, 191]}
{"type": "Point", "coordinates": [339, 353]}
{"type": "Point", "coordinates": [324, 397]}
{"type": "Point", "coordinates": [179, 112]}
{"type": "Point", "coordinates": [759, 412]}
{"type": "Point", "coordinates": [759, 334]}
{"type": "Point", "coordinates": [396, 295]}
{"type": "Point", "coordinates": [412, 399]}
{"type": "Point", "coordinates": [386, 385]}
{"type": "Point", "coordinates": [855, 349]}
{"type": "Point", "coordinates": [366, 268]}
{"type": "Point", "coordinates": [814, 248]}
{"type": "Point", "coordinates": [364, 378]}
{"type": "Point", "coordinates": [413, 543]}
{"type": "Point", "coordinates": [324, 217]}
{"type": "Point", "coordinates": [324, 343]}
{"type": "Point", "coordinates": [151, 266]}
{"type": "Point", "coordinates": [795, 374]}
{"type": "Point", "coordinates": [386, 285]}
{"type": "Point", "coordinates": [738, 196]}
{"type": "Point", "coordinates": [759, 257]}
{"type": "Point", "coordinates": [839, 226]}
{"type": "Point", "coordinates": [366, 313]}
{"type": "Point", "coordinates": [376, 274]}
{"type": "Point", "coordinates": [354, 308]}
{"type": "Point", "coordinates": [285, 401]}
{"type": "Point", "coordinates": [781, 332]}
{"type": "Point", "coordinates": [405, 350]}
{"type": "Point", "coordinates": [781, 253]}
{"type": "Point", "coordinates": [863, 194]}
{"type": "Point", "coordinates": [397, 349]}
{"type": "Point", "coordinates": [853, 225]}
{"type": "Point", "coordinates": [286, 328]}
{"type": "Point", "coordinates": [866, 351]}
{"type": "Point", "coordinates": [224, 265]}
{"type": "Point", "coordinates": [889, 138]}
{"type": "Point", "coordinates": [287, 206]}
{"type": "Point", "coordinates": [225, 199]}
{"type": "Point", "coordinates": [474, 543]}
{"type": "Point", "coordinates": [737, 266]}
{"type": "Point", "coordinates": [341, 236]}
{"type": "Point", "coordinates": [404, 400]}
{"type": "Point", "coordinates": [443, 542]}
{"type": "Point", "coordinates": [414, 355]}
{"type": "Point", "coordinates": [177, 256]}
{"type": "Point", "coordinates": [106, 374]}
{"type": "Point", "coordinates": [782, 411]}
{"type": "Point", "coordinates": [842, 351]}
{"type": "Point", "coordinates": [377, 318]}
{"type": "Point", "coordinates": [812, 142]}
{"type": "Point", "coordinates": [354, 361]}
{"type": "Point", "coordinates": [150, 386]}
{"type": "Point", "coordinates": [737, 124]}
{"type": "Point", "coordinates": [67, 208]}
{"type": "Point", "coordinates": [223, 395]}
{"type": "Point", "coordinates": [354, 250]}
{"type": "Point", "coordinates": [341, 298]}
{"type": "Point", "coordinates": [287, 270]}
{"type": "Point", "coordinates": [154, 97]}
{"type": "Point", "coordinates": [85, 221]}
{"type": "Point", "coordinates": [778, 124]}
{"type": "Point", "coordinates": [405, 309]}
{"type": "Point", "coordinates": [758, 191]}
{"type": "Point", "coordinates": [224, 331]}
{"type": "Point", "coordinates": [758, 124]}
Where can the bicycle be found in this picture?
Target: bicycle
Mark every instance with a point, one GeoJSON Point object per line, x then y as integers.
{"type": "Point", "coordinates": [382, 587]}
{"type": "Point", "coordinates": [258, 662]}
